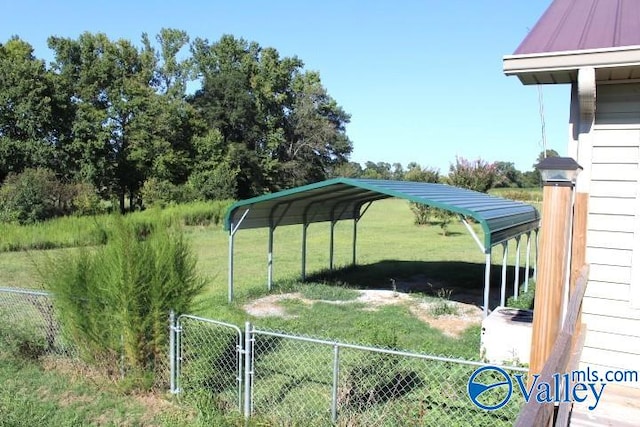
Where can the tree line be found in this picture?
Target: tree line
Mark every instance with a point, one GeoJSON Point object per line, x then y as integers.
{"type": "Point", "coordinates": [477, 175]}
{"type": "Point", "coordinates": [120, 117]}
{"type": "Point", "coordinates": [174, 120]}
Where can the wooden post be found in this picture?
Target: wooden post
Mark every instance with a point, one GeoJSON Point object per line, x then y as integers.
{"type": "Point", "coordinates": [552, 272]}
{"type": "Point", "coordinates": [579, 243]}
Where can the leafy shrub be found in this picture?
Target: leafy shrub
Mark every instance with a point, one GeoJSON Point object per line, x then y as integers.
{"type": "Point", "coordinates": [417, 173]}
{"type": "Point", "coordinates": [86, 200]}
{"type": "Point", "coordinates": [424, 214]}
{"type": "Point", "coordinates": [31, 196]}
{"type": "Point", "coordinates": [421, 213]}
{"type": "Point", "coordinates": [525, 300]}
{"type": "Point", "coordinates": [215, 184]}
{"type": "Point", "coordinates": [161, 193]}
{"type": "Point", "coordinates": [114, 301]}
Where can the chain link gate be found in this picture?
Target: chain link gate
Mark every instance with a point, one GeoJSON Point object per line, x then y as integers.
{"type": "Point", "coordinates": [207, 355]}
{"type": "Point", "coordinates": [288, 379]}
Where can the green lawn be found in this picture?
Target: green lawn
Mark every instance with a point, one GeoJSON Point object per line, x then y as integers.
{"type": "Point", "coordinates": [389, 247]}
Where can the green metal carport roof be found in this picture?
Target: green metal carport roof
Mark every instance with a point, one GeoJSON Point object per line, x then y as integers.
{"type": "Point", "coordinates": [342, 198]}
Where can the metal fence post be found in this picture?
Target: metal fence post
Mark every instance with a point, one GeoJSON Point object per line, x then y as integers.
{"type": "Point", "coordinates": [247, 370]}
{"type": "Point", "coordinates": [334, 389]}
{"type": "Point", "coordinates": [172, 351]}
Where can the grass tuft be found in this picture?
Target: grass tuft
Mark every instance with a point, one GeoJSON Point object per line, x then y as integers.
{"type": "Point", "coordinates": [326, 292]}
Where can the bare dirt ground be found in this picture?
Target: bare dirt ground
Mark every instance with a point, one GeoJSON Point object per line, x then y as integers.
{"type": "Point", "coordinates": [451, 324]}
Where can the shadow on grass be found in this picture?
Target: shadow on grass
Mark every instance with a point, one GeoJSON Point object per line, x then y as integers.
{"type": "Point", "coordinates": [465, 280]}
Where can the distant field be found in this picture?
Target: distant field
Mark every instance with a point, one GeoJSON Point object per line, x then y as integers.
{"type": "Point", "coordinates": [531, 195]}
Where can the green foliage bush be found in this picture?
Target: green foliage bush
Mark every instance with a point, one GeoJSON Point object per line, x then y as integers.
{"type": "Point", "coordinates": [525, 300]}
{"type": "Point", "coordinates": [422, 213]}
{"type": "Point", "coordinates": [425, 215]}
{"type": "Point", "coordinates": [114, 301]}
{"type": "Point", "coordinates": [215, 184]}
{"type": "Point", "coordinates": [86, 201]}
{"type": "Point", "coordinates": [36, 195]}
{"type": "Point", "coordinates": [31, 196]}
{"type": "Point", "coordinates": [161, 193]}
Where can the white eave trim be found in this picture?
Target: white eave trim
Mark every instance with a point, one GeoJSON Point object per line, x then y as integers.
{"type": "Point", "coordinates": [571, 60]}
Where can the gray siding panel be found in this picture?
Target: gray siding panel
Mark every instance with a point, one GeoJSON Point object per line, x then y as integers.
{"type": "Point", "coordinates": [613, 325]}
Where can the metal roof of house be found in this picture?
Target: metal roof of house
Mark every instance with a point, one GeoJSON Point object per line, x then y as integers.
{"type": "Point", "coordinates": [342, 198]}
{"type": "Point", "coordinates": [572, 34]}
{"type": "Point", "coordinates": [569, 25]}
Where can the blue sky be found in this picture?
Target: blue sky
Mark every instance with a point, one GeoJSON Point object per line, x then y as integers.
{"type": "Point", "coordinates": [422, 80]}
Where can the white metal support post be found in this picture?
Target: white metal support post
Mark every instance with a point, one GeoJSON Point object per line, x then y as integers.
{"type": "Point", "coordinates": [331, 233]}
{"type": "Point", "coordinates": [487, 281]}
{"type": "Point", "coordinates": [270, 258]}
{"type": "Point", "coordinates": [232, 232]}
{"type": "Point", "coordinates": [527, 263]}
{"type": "Point", "coordinates": [355, 237]}
{"type": "Point", "coordinates": [535, 260]}
{"type": "Point", "coordinates": [516, 280]}
{"type": "Point", "coordinates": [304, 251]}
{"type": "Point", "coordinates": [356, 219]}
{"type": "Point", "coordinates": [248, 330]}
{"type": "Point", "coordinates": [503, 287]}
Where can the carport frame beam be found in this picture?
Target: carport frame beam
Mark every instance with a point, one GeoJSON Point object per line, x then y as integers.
{"type": "Point", "coordinates": [487, 264]}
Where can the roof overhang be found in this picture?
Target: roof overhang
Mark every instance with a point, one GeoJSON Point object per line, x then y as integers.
{"type": "Point", "coordinates": [620, 63]}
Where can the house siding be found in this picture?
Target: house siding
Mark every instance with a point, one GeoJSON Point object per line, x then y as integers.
{"type": "Point", "coordinates": [613, 235]}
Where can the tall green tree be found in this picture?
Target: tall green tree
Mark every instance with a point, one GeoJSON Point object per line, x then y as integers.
{"type": "Point", "coordinates": [317, 140]}
{"type": "Point", "coordinates": [379, 170]}
{"type": "Point", "coordinates": [417, 173]}
{"type": "Point", "coordinates": [177, 121]}
{"type": "Point", "coordinates": [508, 175]}
{"type": "Point", "coordinates": [28, 132]}
{"type": "Point", "coordinates": [279, 126]}
{"type": "Point", "coordinates": [115, 132]}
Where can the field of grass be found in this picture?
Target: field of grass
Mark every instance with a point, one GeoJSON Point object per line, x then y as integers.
{"type": "Point", "coordinates": [70, 231]}
{"type": "Point", "coordinates": [390, 247]}
{"type": "Point", "coordinates": [530, 195]}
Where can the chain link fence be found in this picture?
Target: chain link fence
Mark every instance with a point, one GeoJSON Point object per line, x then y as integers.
{"type": "Point", "coordinates": [282, 379]}
{"type": "Point", "coordinates": [316, 382]}
{"type": "Point", "coordinates": [29, 327]}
